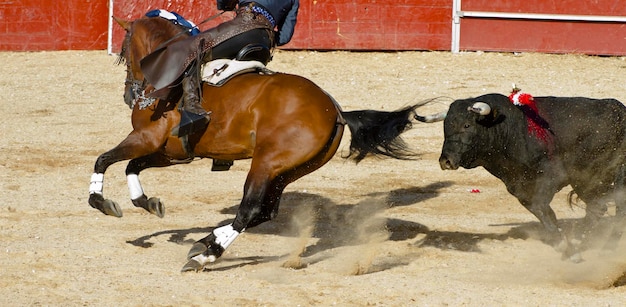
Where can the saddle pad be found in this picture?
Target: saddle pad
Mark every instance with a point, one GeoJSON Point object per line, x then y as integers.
{"type": "Point", "coordinates": [216, 71]}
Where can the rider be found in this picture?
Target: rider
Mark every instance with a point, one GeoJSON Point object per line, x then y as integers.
{"type": "Point", "coordinates": [259, 23]}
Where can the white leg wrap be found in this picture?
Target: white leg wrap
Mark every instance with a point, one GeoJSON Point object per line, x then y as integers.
{"type": "Point", "coordinates": [134, 187]}
{"type": "Point", "coordinates": [225, 235]}
{"type": "Point", "coordinates": [202, 259]}
{"type": "Point", "coordinates": [96, 183]}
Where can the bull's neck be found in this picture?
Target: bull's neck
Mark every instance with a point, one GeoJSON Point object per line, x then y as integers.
{"type": "Point", "coordinates": [513, 152]}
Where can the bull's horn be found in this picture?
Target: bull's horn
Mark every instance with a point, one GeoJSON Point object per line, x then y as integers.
{"type": "Point", "coordinates": [480, 108]}
{"type": "Point", "coordinates": [432, 118]}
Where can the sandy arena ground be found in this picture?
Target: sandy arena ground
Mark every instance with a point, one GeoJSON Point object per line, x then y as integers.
{"type": "Point", "coordinates": [380, 233]}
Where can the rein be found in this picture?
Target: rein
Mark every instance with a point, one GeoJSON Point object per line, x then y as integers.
{"type": "Point", "coordinates": [138, 86]}
{"type": "Point", "coordinates": [189, 30]}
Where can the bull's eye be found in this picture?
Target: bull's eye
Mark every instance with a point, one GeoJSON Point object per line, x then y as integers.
{"type": "Point", "coordinates": [466, 126]}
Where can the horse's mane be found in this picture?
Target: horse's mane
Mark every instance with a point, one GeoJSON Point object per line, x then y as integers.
{"type": "Point", "coordinates": [158, 31]}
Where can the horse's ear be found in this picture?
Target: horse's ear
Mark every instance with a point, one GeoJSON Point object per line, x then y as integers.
{"type": "Point", "coordinates": [123, 23]}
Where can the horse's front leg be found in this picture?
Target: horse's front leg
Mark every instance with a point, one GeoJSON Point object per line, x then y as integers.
{"type": "Point", "coordinates": [96, 198]}
{"type": "Point", "coordinates": [132, 147]}
{"type": "Point", "coordinates": [137, 196]}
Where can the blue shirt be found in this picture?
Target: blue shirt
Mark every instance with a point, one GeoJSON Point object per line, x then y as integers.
{"type": "Point", "coordinates": [284, 13]}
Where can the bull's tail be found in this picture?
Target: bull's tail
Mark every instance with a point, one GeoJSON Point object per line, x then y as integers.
{"type": "Point", "coordinates": [378, 133]}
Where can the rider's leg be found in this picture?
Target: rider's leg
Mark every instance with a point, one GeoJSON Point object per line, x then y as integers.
{"type": "Point", "coordinates": [193, 117]}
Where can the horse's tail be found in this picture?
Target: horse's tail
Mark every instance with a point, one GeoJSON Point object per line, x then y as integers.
{"type": "Point", "coordinates": [378, 133]}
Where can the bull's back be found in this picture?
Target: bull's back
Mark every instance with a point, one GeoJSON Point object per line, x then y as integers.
{"type": "Point", "coordinates": [586, 130]}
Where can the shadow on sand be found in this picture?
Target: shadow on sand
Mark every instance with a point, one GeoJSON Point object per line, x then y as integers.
{"type": "Point", "coordinates": [332, 221]}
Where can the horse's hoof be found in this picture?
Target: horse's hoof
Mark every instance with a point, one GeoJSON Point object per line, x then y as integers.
{"type": "Point", "coordinates": [155, 206]}
{"type": "Point", "coordinates": [109, 207]}
{"type": "Point", "coordinates": [192, 265]}
{"type": "Point", "coordinates": [197, 249]}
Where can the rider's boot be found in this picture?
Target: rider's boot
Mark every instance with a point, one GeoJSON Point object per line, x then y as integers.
{"type": "Point", "coordinates": [193, 117]}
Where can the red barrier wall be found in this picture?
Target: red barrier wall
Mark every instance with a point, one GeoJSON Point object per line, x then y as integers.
{"type": "Point", "coordinates": [570, 7]}
{"type": "Point", "coordinates": [337, 24]}
{"type": "Point", "coordinates": [31, 25]}
{"type": "Point", "coordinates": [374, 24]}
{"type": "Point", "coordinates": [603, 38]}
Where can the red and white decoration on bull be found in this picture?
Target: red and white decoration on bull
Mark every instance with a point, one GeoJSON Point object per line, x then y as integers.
{"type": "Point", "coordinates": [527, 102]}
{"type": "Point", "coordinates": [518, 98]}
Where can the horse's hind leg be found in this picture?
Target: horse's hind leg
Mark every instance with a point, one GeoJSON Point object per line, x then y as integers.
{"type": "Point", "coordinates": [255, 206]}
{"type": "Point", "coordinates": [263, 189]}
{"type": "Point", "coordinates": [252, 212]}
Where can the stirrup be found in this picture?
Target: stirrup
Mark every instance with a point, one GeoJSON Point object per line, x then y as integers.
{"type": "Point", "coordinates": [190, 123]}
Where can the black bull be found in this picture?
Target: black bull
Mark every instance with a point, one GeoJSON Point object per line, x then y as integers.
{"type": "Point", "coordinates": [586, 149]}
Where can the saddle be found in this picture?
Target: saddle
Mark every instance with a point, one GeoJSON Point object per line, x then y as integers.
{"type": "Point", "coordinates": [251, 58]}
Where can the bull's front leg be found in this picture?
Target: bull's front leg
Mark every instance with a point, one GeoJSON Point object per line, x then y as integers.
{"type": "Point", "coordinates": [557, 237]}
{"type": "Point", "coordinates": [620, 209]}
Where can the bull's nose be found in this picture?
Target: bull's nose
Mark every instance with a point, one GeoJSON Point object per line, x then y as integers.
{"type": "Point", "coordinates": [445, 163]}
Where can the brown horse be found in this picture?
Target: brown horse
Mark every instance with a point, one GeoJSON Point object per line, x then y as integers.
{"type": "Point", "coordinates": [285, 123]}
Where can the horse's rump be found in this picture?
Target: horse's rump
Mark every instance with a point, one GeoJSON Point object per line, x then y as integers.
{"type": "Point", "coordinates": [253, 108]}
